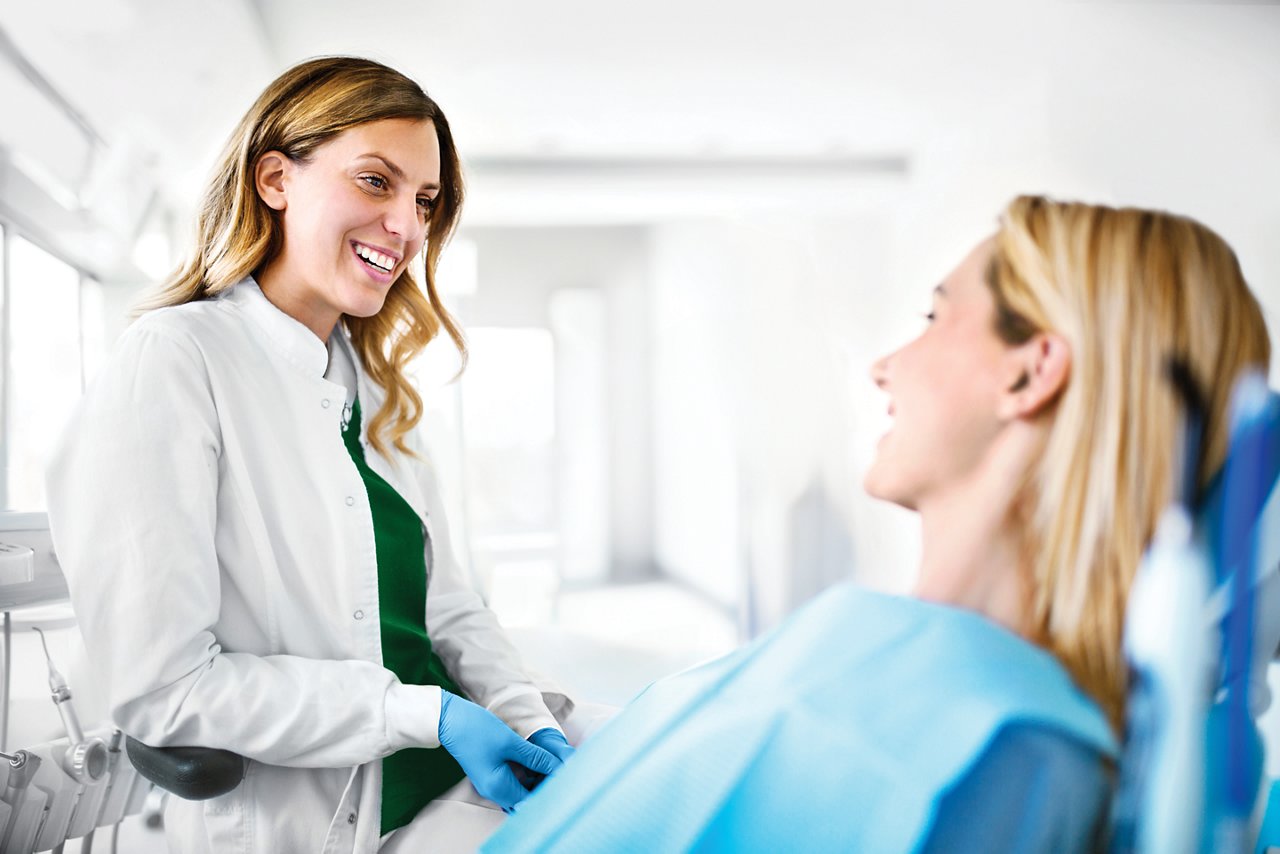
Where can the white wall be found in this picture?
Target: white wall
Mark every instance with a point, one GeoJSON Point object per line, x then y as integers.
{"type": "Point", "coordinates": [742, 314]}
{"type": "Point", "coordinates": [1153, 105]}
{"type": "Point", "coordinates": [519, 272]}
{"type": "Point", "coordinates": [1170, 106]}
{"type": "Point", "coordinates": [764, 415]}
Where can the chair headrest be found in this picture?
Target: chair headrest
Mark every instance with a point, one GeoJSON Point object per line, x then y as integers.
{"type": "Point", "coordinates": [1241, 513]}
{"type": "Point", "coordinates": [1262, 504]}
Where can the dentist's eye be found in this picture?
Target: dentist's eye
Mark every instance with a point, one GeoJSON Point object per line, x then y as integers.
{"type": "Point", "coordinates": [375, 181]}
{"type": "Point", "coordinates": [427, 203]}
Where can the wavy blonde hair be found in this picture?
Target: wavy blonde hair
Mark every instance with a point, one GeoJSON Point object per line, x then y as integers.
{"type": "Point", "coordinates": [1128, 289]}
{"type": "Point", "coordinates": [237, 234]}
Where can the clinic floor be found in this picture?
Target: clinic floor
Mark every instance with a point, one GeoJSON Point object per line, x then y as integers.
{"type": "Point", "coordinates": [607, 644]}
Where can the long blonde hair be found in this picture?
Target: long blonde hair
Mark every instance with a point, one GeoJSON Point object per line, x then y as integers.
{"type": "Point", "coordinates": [1128, 289]}
{"type": "Point", "coordinates": [237, 234]}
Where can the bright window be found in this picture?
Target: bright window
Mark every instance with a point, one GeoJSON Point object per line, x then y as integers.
{"type": "Point", "coordinates": [509, 425]}
{"type": "Point", "coordinates": [4, 378]}
{"type": "Point", "coordinates": [46, 368]}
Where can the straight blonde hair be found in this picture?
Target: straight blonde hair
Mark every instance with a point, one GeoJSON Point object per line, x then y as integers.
{"type": "Point", "coordinates": [237, 234]}
{"type": "Point", "coordinates": [1128, 289]}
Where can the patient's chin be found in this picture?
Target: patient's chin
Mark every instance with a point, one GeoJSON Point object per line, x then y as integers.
{"type": "Point", "coordinates": [880, 482]}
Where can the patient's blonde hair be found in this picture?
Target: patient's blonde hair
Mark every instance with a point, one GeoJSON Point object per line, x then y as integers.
{"type": "Point", "coordinates": [1128, 289]}
{"type": "Point", "coordinates": [237, 234]}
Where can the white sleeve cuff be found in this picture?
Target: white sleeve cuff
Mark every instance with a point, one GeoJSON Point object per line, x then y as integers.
{"type": "Point", "coordinates": [523, 711]}
{"type": "Point", "coordinates": [413, 716]}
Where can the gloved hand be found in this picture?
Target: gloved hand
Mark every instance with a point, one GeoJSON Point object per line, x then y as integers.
{"type": "Point", "coordinates": [483, 745]}
{"type": "Point", "coordinates": [553, 741]}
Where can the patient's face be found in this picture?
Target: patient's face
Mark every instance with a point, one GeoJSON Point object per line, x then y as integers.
{"type": "Point", "coordinates": [943, 388]}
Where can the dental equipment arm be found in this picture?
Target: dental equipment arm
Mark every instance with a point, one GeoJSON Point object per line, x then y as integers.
{"type": "Point", "coordinates": [86, 758]}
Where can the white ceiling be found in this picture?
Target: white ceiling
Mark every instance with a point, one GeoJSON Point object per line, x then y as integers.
{"type": "Point", "coordinates": [566, 81]}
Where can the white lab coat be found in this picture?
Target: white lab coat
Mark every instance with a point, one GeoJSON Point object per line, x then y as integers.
{"type": "Point", "coordinates": [218, 544]}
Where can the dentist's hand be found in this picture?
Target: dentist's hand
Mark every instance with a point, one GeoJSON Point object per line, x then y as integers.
{"type": "Point", "coordinates": [553, 741]}
{"type": "Point", "coordinates": [483, 745]}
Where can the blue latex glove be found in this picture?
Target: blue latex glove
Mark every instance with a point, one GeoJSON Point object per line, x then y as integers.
{"type": "Point", "coordinates": [553, 741]}
{"type": "Point", "coordinates": [483, 745]}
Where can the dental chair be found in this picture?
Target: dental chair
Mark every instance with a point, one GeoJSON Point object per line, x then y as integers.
{"type": "Point", "coordinates": [1242, 525]}
{"type": "Point", "coordinates": [1219, 761]}
{"type": "Point", "coordinates": [1249, 551]}
{"type": "Point", "coordinates": [191, 773]}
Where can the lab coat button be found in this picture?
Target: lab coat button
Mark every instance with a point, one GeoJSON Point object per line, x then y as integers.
{"type": "Point", "coordinates": [325, 403]}
{"type": "Point", "coordinates": [351, 818]}
{"type": "Point", "coordinates": [350, 501]}
{"type": "Point", "coordinates": [359, 615]}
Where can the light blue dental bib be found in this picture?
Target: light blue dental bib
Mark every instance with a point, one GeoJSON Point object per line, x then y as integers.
{"type": "Point", "coordinates": [839, 731]}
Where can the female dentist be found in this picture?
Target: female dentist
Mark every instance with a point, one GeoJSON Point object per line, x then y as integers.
{"type": "Point", "coordinates": [254, 543]}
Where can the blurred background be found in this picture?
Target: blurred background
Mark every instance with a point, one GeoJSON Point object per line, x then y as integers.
{"type": "Point", "coordinates": [691, 228]}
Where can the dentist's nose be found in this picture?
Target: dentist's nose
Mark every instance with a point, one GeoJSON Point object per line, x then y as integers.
{"type": "Point", "coordinates": [402, 219]}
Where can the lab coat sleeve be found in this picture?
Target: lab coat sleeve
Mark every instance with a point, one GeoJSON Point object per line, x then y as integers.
{"type": "Point", "coordinates": [132, 494]}
{"type": "Point", "coordinates": [469, 639]}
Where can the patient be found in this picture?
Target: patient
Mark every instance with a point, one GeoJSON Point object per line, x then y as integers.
{"type": "Point", "coordinates": [1035, 434]}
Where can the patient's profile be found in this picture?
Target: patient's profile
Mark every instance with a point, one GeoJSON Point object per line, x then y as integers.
{"type": "Point", "coordinates": [1035, 433]}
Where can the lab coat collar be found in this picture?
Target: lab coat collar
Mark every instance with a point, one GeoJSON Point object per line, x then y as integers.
{"type": "Point", "coordinates": [301, 348]}
{"type": "Point", "coordinates": [289, 337]}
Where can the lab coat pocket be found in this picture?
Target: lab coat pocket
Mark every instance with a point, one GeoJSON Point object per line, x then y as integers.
{"type": "Point", "coordinates": [225, 818]}
{"type": "Point", "coordinates": [208, 827]}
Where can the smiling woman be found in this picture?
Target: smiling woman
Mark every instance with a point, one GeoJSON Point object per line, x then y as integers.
{"type": "Point", "coordinates": [340, 111]}
{"type": "Point", "coordinates": [351, 219]}
{"type": "Point", "coordinates": [1034, 433]}
{"type": "Point", "coordinates": [255, 432]}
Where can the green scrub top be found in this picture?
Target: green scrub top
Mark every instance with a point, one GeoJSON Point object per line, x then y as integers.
{"type": "Point", "coordinates": [410, 778]}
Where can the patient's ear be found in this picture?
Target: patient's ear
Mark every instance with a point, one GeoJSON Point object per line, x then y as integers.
{"type": "Point", "coordinates": [1038, 372]}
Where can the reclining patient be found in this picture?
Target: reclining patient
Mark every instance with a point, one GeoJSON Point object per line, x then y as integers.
{"type": "Point", "coordinates": [1035, 433]}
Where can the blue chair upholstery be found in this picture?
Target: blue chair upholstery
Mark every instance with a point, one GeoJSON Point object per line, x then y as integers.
{"type": "Point", "coordinates": [1241, 520]}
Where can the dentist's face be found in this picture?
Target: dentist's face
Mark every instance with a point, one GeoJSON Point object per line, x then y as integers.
{"type": "Point", "coordinates": [355, 215]}
{"type": "Point", "coordinates": [943, 388]}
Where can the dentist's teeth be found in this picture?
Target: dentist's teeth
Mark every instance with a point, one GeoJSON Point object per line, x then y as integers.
{"type": "Point", "coordinates": [377, 259]}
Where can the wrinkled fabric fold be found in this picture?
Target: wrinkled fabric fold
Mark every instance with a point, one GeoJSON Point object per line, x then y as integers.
{"type": "Point", "coordinates": [838, 731]}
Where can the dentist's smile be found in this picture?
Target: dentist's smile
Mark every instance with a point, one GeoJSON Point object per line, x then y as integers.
{"type": "Point", "coordinates": [378, 263]}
